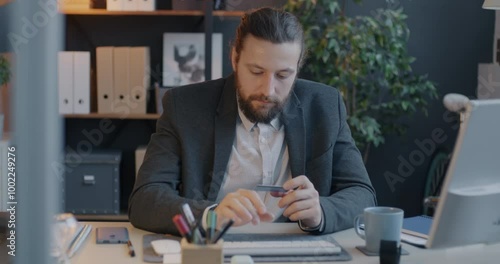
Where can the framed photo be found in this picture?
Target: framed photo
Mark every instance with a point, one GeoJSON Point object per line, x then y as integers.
{"type": "Point", "coordinates": [159, 94]}
{"type": "Point", "coordinates": [184, 58]}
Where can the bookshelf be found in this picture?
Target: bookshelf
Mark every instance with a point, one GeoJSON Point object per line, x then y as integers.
{"type": "Point", "coordinates": [86, 29]}
{"type": "Point", "coordinates": [112, 116]}
{"type": "Point", "coordinates": [82, 10]}
{"type": "Point", "coordinates": [79, 9]}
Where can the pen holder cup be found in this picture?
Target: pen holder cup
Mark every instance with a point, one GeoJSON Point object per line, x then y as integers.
{"type": "Point", "coordinates": [206, 253]}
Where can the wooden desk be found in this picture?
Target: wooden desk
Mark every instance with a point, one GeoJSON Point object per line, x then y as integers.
{"type": "Point", "coordinates": [90, 252]}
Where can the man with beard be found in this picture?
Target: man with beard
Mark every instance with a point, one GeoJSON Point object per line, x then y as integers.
{"type": "Point", "coordinates": [217, 140]}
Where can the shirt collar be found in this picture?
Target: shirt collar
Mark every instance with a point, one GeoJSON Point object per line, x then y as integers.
{"type": "Point", "coordinates": [249, 125]}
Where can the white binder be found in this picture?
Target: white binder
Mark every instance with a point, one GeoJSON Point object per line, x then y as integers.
{"type": "Point", "coordinates": [139, 79]}
{"type": "Point", "coordinates": [121, 80]}
{"type": "Point", "coordinates": [130, 5]}
{"type": "Point", "coordinates": [147, 5]}
{"type": "Point", "coordinates": [65, 82]}
{"type": "Point", "coordinates": [81, 82]}
{"type": "Point", "coordinates": [104, 65]}
{"type": "Point", "coordinates": [114, 5]}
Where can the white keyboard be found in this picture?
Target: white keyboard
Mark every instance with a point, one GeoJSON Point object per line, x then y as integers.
{"type": "Point", "coordinates": [281, 248]}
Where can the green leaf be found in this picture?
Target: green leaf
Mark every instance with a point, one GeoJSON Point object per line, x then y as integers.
{"type": "Point", "coordinates": [333, 7]}
{"type": "Point", "coordinates": [4, 71]}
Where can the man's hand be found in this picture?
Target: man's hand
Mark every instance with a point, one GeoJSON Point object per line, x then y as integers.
{"type": "Point", "coordinates": [243, 206]}
{"type": "Point", "coordinates": [301, 202]}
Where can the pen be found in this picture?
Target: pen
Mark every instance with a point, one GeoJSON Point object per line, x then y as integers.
{"type": "Point", "coordinates": [200, 229]}
{"type": "Point", "coordinates": [197, 237]}
{"type": "Point", "coordinates": [188, 214]}
{"type": "Point", "coordinates": [223, 231]}
{"type": "Point", "coordinates": [198, 232]}
{"type": "Point", "coordinates": [131, 250]}
{"type": "Point", "coordinates": [212, 223]}
{"type": "Point", "coordinates": [75, 244]}
{"type": "Point", "coordinates": [183, 227]}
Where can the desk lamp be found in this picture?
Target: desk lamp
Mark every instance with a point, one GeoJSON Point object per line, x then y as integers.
{"type": "Point", "coordinates": [491, 4]}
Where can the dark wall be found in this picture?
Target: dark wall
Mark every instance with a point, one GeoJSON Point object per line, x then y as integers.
{"type": "Point", "coordinates": [448, 43]}
{"type": "Point", "coordinates": [4, 27]}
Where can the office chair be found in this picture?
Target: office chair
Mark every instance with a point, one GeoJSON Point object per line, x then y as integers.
{"type": "Point", "coordinates": [441, 157]}
{"type": "Point", "coordinates": [435, 178]}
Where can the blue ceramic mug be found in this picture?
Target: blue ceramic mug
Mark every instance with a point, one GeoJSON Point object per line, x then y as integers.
{"type": "Point", "coordinates": [380, 223]}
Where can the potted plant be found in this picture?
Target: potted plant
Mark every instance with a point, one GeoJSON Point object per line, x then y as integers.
{"type": "Point", "coordinates": [4, 79]}
{"type": "Point", "coordinates": [366, 58]}
{"type": "Point", "coordinates": [4, 71]}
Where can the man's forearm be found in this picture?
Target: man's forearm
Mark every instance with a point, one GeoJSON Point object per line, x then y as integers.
{"type": "Point", "coordinates": [152, 208]}
{"type": "Point", "coordinates": [341, 207]}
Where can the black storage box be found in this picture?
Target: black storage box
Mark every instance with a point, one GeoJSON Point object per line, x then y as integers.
{"type": "Point", "coordinates": [92, 183]}
{"type": "Point", "coordinates": [163, 4]}
{"type": "Point", "coordinates": [187, 5]}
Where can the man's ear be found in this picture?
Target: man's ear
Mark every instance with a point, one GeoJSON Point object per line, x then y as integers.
{"type": "Point", "coordinates": [233, 59]}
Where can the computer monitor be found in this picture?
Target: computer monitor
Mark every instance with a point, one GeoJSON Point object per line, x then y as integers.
{"type": "Point", "coordinates": [468, 211]}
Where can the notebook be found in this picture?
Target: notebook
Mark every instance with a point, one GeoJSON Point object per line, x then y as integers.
{"type": "Point", "coordinates": [416, 230]}
{"type": "Point", "coordinates": [419, 226]}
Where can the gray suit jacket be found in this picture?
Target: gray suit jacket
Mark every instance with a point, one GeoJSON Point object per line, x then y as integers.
{"type": "Point", "coordinates": [187, 156]}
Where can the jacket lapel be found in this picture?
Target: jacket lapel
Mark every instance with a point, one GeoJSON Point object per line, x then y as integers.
{"type": "Point", "coordinates": [225, 124]}
{"type": "Point", "coordinates": [295, 135]}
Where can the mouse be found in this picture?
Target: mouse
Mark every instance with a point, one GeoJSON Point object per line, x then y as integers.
{"type": "Point", "coordinates": [241, 259]}
{"type": "Point", "coordinates": [166, 246]}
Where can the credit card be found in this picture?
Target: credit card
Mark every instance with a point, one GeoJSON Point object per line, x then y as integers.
{"type": "Point", "coordinates": [270, 188]}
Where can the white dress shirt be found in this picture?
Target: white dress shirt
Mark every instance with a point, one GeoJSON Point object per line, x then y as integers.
{"type": "Point", "coordinates": [259, 156]}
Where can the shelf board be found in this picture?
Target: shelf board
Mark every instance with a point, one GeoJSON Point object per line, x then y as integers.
{"type": "Point", "coordinates": [77, 10]}
{"type": "Point", "coordinates": [113, 116]}
{"type": "Point", "coordinates": [122, 217]}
